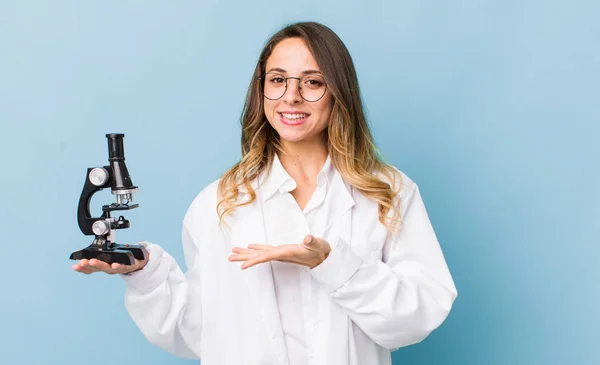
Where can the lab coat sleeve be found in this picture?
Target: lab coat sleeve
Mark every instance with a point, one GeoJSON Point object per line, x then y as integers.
{"type": "Point", "coordinates": [401, 299]}
{"type": "Point", "coordinates": [165, 303]}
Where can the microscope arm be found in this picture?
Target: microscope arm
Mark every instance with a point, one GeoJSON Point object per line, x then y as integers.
{"type": "Point", "coordinates": [84, 216]}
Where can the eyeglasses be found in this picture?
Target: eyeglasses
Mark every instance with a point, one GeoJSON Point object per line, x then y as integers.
{"type": "Point", "coordinates": [310, 87]}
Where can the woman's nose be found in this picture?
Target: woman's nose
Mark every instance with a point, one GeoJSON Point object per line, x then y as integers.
{"type": "Point", "coordinates": [292, 93]}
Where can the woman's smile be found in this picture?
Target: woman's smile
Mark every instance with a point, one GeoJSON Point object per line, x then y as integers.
{"type": "Point", "coordinates": [293, 118]}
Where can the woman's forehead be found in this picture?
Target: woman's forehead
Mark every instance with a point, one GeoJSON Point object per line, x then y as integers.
{"type": "Point", "coordinates": [293, 56]}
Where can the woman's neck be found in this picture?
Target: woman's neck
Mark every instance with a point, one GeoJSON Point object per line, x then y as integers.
{"type": "Point", "coordinates": [303, 160]}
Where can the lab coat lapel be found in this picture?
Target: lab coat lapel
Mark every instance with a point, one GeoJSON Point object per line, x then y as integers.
{"type": "Point", "coordinates": [259, 278]}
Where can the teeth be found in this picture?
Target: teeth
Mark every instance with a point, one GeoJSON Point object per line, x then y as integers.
{"type": "Point", "coordinates": [293, 116]}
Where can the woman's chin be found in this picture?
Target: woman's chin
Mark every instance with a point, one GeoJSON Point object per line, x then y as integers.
{"type": "Point", "coordinates": [291, 137]}
{"type": "Point", "coordinates": [295, 135]}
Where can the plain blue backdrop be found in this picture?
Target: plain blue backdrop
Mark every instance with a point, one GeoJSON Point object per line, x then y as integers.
{"type": "Point", "coordinates": [492, 107]}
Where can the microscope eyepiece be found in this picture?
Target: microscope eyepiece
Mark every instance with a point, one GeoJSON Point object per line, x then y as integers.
{"type": "Point", "coordinates": [115, 146]}
{"type": "Point", "coordinates": [120, 183]}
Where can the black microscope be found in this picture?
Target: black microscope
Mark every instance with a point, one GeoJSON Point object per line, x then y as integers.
{"type": "Point", "coordinates": [115, 176]}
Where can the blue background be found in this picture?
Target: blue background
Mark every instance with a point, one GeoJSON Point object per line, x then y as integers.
{"type": "Point", "coordinates": [492, 107]}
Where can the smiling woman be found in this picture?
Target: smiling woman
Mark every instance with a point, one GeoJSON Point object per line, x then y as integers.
{"type": "Point", "coordinates": [310, 249]}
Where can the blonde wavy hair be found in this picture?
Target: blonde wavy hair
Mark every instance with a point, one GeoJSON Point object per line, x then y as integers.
{"type": "Point", "coordinates": [348, 137]}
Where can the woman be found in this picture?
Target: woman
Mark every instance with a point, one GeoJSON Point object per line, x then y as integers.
{"type": "Point", "coordinates": [309, 250]}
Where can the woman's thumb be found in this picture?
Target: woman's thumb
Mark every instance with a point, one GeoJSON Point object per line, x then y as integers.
{"type": "Point", "coordinates": [308, 240]}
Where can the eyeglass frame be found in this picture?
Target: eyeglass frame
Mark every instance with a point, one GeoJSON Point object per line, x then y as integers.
{"type": "Point", "coordinates": [261, 78]}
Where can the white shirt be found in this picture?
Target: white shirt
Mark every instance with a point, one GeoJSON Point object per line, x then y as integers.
{"type": "Point", "coordinates": [287, 223]}
{"type": "Point", "coordinates": [374, 293]}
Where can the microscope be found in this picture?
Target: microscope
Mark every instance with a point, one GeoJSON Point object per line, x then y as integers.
{"type": "Point", "coordinates": [116, 177]}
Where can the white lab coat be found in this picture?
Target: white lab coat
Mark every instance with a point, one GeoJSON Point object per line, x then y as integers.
{"type": "Point", "coordinates": [373, 294]}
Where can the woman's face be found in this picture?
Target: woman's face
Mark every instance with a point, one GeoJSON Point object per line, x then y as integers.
{"type": "Point", "coordinates": [294, 118]}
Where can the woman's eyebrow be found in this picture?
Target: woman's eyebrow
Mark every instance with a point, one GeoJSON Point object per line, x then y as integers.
{"type": "Point", "coordinates": [306, 72]}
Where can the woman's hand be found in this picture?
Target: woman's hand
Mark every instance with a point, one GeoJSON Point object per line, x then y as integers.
{"type": "Point", "coordinates": [91, 266]}
{"type": "Point", "coordinates": [312, 252]}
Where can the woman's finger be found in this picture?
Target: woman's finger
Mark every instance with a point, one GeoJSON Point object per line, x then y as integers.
{"type": "Point", "coordinates": [241, 250]}
{"type": "Point", "coordinates": [84, 270]}
{"type": "Point", "coordinates": [95, 265]}
{"type": "Point", "coordinates": [264, 256]}
{"type": "Point", "coordinates": [100, 265]}
{"type": "Point", "coordinates": [86, 265]}
{"type": "Point", "coordinates": [243, 256]}
{"type": "Point", "coordinates": [91, 266]}
{"type": "Point", "coordinates": [117, 268]}
{"type": "Point", "coordinates": [259, 247]}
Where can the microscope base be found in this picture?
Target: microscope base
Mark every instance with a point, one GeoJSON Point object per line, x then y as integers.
{"type": "Point", "coordinates": [122, 254]}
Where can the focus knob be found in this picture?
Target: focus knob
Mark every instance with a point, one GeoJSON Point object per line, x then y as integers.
{"type": "Point", "coordinates": [100, 228]}
{"type": "Point", "coordinates": [99, 176]}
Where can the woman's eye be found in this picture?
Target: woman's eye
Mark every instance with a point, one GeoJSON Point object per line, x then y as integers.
{"type": "Point", "coordinates": [277, 80]}
{"type": "Point", "coordinates": [314, 83]}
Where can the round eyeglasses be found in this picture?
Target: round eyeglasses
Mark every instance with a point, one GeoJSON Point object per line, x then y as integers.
{"type": "Point", "coordinates": [311, 87]}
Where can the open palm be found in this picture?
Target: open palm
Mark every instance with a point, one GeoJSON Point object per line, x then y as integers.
{"type": "Point", "coordinates": [312, 252]}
